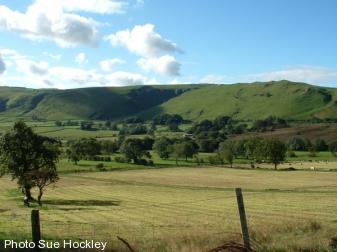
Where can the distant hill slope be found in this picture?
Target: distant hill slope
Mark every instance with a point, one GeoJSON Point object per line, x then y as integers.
{"type": "Point", "coordinates": [242, 101]}
{"type": "Point", "coordinates": [253, 101]}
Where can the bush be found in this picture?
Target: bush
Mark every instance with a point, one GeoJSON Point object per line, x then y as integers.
{"type": "Point", "coordinates": [120, 160]}
{"type": "Point", "coordinates": [141, 162]}
{"type": "Point", "coordinates": [100, 166]}
{"type": "Point", "coordinates": [215, 160]}
{"type": "Point", "coordinates": [291, 154]}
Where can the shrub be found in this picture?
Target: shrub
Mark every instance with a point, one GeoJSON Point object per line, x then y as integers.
{"type": "Point", "coordinates": [291, 154]}
{"type": "Point", "coordinates": [120, 160]}
{"type": "Point", "coordinates": [215, 160]}
{"type": "Point", "coordinates": [100, 166]}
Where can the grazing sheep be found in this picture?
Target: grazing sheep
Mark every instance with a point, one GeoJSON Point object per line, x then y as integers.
{"type": "Point", "coordinates": [312, 168]}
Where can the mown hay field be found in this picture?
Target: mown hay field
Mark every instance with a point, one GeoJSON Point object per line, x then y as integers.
{"type": "Point", "coordinates": [182, 209]}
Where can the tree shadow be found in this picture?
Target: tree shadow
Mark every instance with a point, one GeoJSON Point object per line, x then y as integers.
{"type": "Point", "coordinates": [82, 202]}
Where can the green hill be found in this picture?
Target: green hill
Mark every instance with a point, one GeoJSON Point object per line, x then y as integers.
{"type": "Point", "coordinates": [242, 101]}
{"type": "Point", "coordinates": [253, 101]}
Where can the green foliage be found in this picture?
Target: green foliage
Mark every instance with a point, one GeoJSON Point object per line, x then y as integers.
{"type": "Point", "coordinates": [274, 150]}
{"type": "Point", "coordinates": [167, 119]}
{"type": "Point", "coordinates": [133, 150]}
{"type": "Point", "coordinates": [321, 145]}
{"type": "Point", "coordinates": [29, 158]}
{"type": "Point", "coordinates": [85, 148]}
{"type": "Point", "coordinates": [162, 146]}
{"type": "Point", "coordinates": [109, 147]}
{"type": "Point", "coordinates": [186, 149]}
{"type": "Point", "coordinates": [333, 149]}
{"type": "Point", "coordinates": [298, 144]}
{"type": "Point", "coordinates": [269, 123]}
{"type": "Point", "coordinates": [227, 151]}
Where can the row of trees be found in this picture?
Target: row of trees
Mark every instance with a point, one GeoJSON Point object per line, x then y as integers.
{"type": "Point", "coordinates": [256, 149]}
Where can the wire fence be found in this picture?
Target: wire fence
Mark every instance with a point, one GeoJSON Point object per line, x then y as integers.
{"type": "Point", "coordinates": [205, 221]}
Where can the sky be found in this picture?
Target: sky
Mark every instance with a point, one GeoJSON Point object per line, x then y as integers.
{"type": "Point", "coordinates": [84, 43]}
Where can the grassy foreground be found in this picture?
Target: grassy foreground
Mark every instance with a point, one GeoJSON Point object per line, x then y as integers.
{"type": "Point", "coordinates": [182, 209]}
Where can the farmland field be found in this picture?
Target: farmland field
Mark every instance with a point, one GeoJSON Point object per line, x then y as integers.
{"type": "Point", "coordinates": [182, 209]}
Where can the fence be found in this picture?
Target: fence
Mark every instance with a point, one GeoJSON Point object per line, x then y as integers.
{"type": "Point", "coordinates": [40, 226]}
{"type": "Point", "coordinates": [207, 221]}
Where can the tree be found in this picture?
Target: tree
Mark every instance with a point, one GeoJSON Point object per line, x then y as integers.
{"type": "Point", "coordinates": [162, 146]}
{"type": "Point", "coordinates": [173, 127]}
{"type": "Point", "coordinates": [47, 173]}
{"type": "Point", "coordinates": [298, 144]}
{"type": "Point", "coordinates": [87, 125]}
{"type": "Point", "coordinates": [333, 149]}
{"type": "Point", "coordinates": [109, 147]}
{"type": "Point", "coordinates": [26, 155]}
{"type": "Point", "coordinates": [227, 151]}
{"type": "Point", "coordinates": [275, 151]}
{"type": "Point", "coordinates": [74, 152]}
{"type": "Point", "coordinates": [321, 145]}
{"type": "Point", "coordinates": [133, 150]}
{"type": "Point", "coordinates": [177, 151]}
{"type": "Point", "coordinates": [84, 148]}
{"type": "Point", "coordinates": [255, 148]}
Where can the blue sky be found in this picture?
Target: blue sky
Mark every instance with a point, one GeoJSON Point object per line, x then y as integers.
{"type": "Point", "coordinates": [81, 43]}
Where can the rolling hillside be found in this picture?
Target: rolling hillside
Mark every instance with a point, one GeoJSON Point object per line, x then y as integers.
{"type": "Point", "coordinates": [242, 101]}
{"type": "Point", "coordinates": [254, 101]}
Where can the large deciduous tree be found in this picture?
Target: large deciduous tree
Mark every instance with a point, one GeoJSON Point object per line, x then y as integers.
{"type": "Point", "coordinates": [275, 151]}
{"type": "Point", "coordinates": [134, 149]}
{"type": "Point", "coordinates": [29, 158]}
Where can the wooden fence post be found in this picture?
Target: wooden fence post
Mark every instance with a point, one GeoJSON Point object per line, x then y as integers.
{"type": "Point", "coordinates": [243, 220]}
{"type": "Point", "coordinates": [36, 231]}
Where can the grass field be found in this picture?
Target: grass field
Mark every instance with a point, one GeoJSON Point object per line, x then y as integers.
{"type": "Point", "coordinates": [182, 209]}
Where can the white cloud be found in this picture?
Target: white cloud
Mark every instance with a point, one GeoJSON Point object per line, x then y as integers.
{"type": "Point", "coordinates": [94, 6]}
{"type": "Point", "coordinates": [143, 40]}
{"type": "Point", "coordinates": [107, 65]}
{"type": "Point", "coordinates": [2, 65]}
{"type": "Point", "coordinates": [166, 64]}
{"type": "Point", "coordinates": [81, 58]}
{"type": "Point", "coordinates": [30, 67]}
{"type": "Point", "coordinates": [213, 79]}
{"type": "Point", "coordinates": [39, 74]}
{"type": "Point", "coordinates": [48, 20]}
{"type": "Point", "coordinates": [308, 74]}
{"type": "Point", "coordinates": [52, 56]}
{"type": "Point", "coordinates": [125, 78]}
{"type": "Point", "coordinates": [12, 54]}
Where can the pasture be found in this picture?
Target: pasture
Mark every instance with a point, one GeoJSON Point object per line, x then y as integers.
{"type": "Point", "coordinates": [182, 209]}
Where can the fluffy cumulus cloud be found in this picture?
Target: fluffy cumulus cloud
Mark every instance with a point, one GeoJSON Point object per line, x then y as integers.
{"type": "Point", "coordinates": [166, 65]}
{"type": "Point", "coordinates": [107, 65]}
{"type": "Point", "coordinates": [81, 58]}
{"type": "Point", "coordinates": [2, 65]}
{"type": "Point", "coordinates": [40, 74]}
{"type": "Point", "coordinates": [143, 40]}
{"type": "Point", "coordinates": [156, 51]}
{"type": "Point", "coordinates": [57, 20]}
{"type": "Point", "coordinates": [30, 67]}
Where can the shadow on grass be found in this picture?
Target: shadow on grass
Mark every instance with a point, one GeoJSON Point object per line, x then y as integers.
{"type": "Point", "coordinates": [82, 202]}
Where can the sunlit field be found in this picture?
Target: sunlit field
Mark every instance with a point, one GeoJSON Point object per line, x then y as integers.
{"type": "Point", "coordinates": [182, 209]}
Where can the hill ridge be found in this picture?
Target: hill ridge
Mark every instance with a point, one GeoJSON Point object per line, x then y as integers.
{"type": "Point", "coordinates": [246, 101]}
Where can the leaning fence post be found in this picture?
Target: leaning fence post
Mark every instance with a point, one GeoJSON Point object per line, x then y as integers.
{"type": "Point", "coordinates": [36, 231]}
{"type": "Point", "coordinates": [243, 220]}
